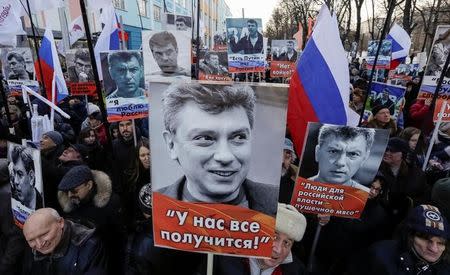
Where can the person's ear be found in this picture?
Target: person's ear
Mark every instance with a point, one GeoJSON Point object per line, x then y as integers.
{"type": "Point", "coordinates": [32, 176]}
{"type": "Point", "coordinates": [90, 184]}
{"type": "Point", "coordinates": [169, 139]}
{"type": "Point", "coordinates": [316, 153]}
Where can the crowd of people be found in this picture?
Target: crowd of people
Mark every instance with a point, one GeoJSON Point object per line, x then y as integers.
{"type": "Point", "coordinates": [97, 215]}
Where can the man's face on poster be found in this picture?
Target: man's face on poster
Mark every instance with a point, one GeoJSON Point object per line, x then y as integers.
{"type": "Point", "coordinates": [22, 182]}
{"type": "Point", "coordinates": [127, 74]}
{"type": "Point", "coordinates": [290, 46]}
{"type": "Point", "coordinates": [213, 150]}
{"type": "Point", "coordinates": [16, 66]}
{"type": "Point", "coordinates": [166, 57]}
{"type": "Point", "coordinates": [340, 159]}
{"type": "Point", "coordinates": [252, 28]}
{"type": "Point", "coordinates": [181, 26]}
{"type": "Point", "coordinates": [214, 60]}
{"type": "Point", "coordinates": [82, 66]}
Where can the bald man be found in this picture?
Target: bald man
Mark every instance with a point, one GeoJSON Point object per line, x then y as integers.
{"type": "Point", "coordinates": [60, 246]}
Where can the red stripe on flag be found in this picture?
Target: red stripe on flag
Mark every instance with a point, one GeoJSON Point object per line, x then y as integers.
{"type": "Point", "coordinates": [47, 73]}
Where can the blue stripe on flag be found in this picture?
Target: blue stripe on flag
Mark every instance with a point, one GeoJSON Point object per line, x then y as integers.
{"type": "Point", "coordinates": [395, 46]}
{"type": "Point", "coordinates": [45, 52]}
{"type": "Point", "coordinates": [114, 40]}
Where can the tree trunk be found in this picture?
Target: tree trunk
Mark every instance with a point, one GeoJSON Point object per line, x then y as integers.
{"type": "Point", "coordinates": [407, 17]}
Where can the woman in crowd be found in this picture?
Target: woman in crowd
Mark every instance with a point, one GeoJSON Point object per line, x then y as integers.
{"type": "Point", "coordinates": [97, 158]}
{"type": "Point", "coordinates": [415, 141]}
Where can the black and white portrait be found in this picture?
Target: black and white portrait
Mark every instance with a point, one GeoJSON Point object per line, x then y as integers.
{"type": "Point", "coordinates": [17, 64]}
{"type": "Point", "coordinates": [284, 50]}
{"type": "Point", "coordinates": [167, 55]}
{"type": "Point", "coordinates": [213, 65]}
{"type": "Point", "coordinates": [25, 179]}
{"type": "Point", "coordinates": [344, 155]}
{"type": "Point", "coordinates": [439, 52]}
{"type": "Point", "coordinates": [211, 142]}
{"type": "Point", "coordinates": [79, 67]}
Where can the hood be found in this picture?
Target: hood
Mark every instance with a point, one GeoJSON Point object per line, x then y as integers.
{"type": "Point", "coordinates": [101, 197]}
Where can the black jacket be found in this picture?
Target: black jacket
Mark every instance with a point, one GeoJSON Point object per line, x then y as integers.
{"type": "Point", "coordinates": [78, 252]}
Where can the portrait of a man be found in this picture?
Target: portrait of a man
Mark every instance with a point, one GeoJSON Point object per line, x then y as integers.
{"type": "Point", "coordinates": [23, 177]}
{"type": "Point", "coordinates": [127, 71]}
{"type": "Point", "coordinates": [211, 64]}
{"type": "Point", "coordinates": [208, 131]}
{"type": "Point", "coordinates": [250, 43]}
{"type": "Point", "coordinates": [290, 54]}
{"type": "Point", "coordinates": [164, 48]}
{"type": "Point", "coordinates": [17, 67]}
{"type": "Point", "coordinates": [81, 69]}
{"type": "Point", "coordinates": [181, 24]}
{"type": "Point", "coordinates": [340, 152]}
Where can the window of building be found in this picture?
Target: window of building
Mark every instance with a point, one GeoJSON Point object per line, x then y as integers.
{"type": "Point", "coordinates": [142, 7]}
{"type": "Point", "coordinates": [119, 4]}
{"type": "Point", "coordinates": [156, 13]}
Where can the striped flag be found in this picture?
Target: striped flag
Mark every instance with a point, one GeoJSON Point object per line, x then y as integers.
{"type": "Point", "coordinates": [401, 43]}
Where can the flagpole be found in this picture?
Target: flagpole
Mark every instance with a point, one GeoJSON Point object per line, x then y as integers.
{"type": "Point", "coordinates": [36, 48]}
{"type": "Point", "coordinates": [380, 42]}
{"type": "Point", "coordinates": [95, 72]}
{"type": "Point", "coordinates": [197, 63]}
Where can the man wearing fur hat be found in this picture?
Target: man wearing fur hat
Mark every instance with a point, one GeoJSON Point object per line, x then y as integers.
{"type": "Point", "coordinates": [421, 250]}
{"type": "Point", "coordinates": [86, 196]}
{"type": "Point", "coordinates": [290, 227]}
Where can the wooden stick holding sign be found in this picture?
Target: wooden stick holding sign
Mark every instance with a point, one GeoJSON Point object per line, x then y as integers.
{"type": "Point", "coordinates": [27, 90]}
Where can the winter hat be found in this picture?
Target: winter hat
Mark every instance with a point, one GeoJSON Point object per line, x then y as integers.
{"type": "Point", "coordinates": [75, 177]}
{"type": "Point", "coordinates": [378, 108]}
{"type": "Point", "coordinates": [440, 196]}
{"type": "Point", "coordinates": [92, 108]}
{"type": "Point", "coordinates": [397, 144]}
{"type": "Point", "coordinates": [81, 149]}
{"type": "Point", "coordinates": [55, 136]}
{"type": "Point", "coordinates": [288, 145]}
{"type": "Point", "coordinates": [290, 222]}
{"type": "Point", "coordinates": [427, 219]}
{"type": "Point", "coordinates": [145, 199]}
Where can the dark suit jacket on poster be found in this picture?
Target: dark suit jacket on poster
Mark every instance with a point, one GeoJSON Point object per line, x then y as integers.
{"type": "Point", "coordinates": [261, 197]}
{"type": "Point", "coordinates": [285, 57]}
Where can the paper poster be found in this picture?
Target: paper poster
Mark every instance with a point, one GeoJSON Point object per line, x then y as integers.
{"type": "Point", "coordinates": [403, 74]}
{"type": "Point", "coordinates": [15, 86]}
{"type": "Point", "coordinates": [217, 186]}
{"type": "Point", "coordinates": [384, 56]}
{"type": "Point", "coordinates": [390, 96]}
{"type": "Point", "coordinates": [284, 58]}
{"type": "Point", "coordinates": [220, 41]}
{"type": "Point", "coordinates": [80, 77]}
{"type": "Point", "coordinates": [17, 64]}
{"type": "Point", "coordinates": [213, 66]}
{"type": "Point", "coordinates": [245, 45]}
{"type": "Point", "coordinates": [26, 181]}
{"type": "Point", "coordinates": [337, 167]}
{"type": "Point", "coordinates": [179, 23]}
{"type": "Point", "coordinates": [167, 55]}
{"type": "Point", "coordinates": [123, 79]}
{"type": "Point", "coordinates": [435, 66]}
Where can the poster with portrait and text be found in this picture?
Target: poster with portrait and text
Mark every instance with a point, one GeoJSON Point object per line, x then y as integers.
{"type": "Point", "coordinates": [213, 66]}
{"type": "Point", "coordinates": [216, 189]}
{"type": "Point", "coordinates": [284, 58]}
{"type": "Point", "coordinates": [123, 80]}
{"type": "Point", "coordinates": [246, 52]}
{"type": "Point", "coordinates": [384, 55]}
{"type": "Point", "coordinates": [80, 77]}
{"type": "Point", "coordinates": [336, 169]}
{"type": "Point", "coordinates": [167, 55]}
{"type": "Point", "coordinates": [26, 181]}
{"type": "Point", "coordinates": [390, 96]}
{"type": "Point", "coordinates": [17, 64]}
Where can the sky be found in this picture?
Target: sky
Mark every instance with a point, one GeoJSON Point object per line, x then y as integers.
{"type": "Point", "coordinates": [253, 8]}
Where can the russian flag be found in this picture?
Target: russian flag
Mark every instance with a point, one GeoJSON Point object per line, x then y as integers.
{"type": "Point", "coordinates": [319, 89]}
{"type": "Point", "coordinates": [401, 42]}
{"type": "Point", "coordinates": [50, 66]}
{"type": "Point", "coordinates": [109, 38]}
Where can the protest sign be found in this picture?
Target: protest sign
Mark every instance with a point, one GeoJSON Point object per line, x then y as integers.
{"type": "Point", "coordinates": [434, 69]}
{"type": "Point", "coordinates": [80, 74]}
{"type": "Point", "coordinates": [403, 74]}
{"type": "Point", "coordinates": [245, 45]}
{"type": "Point", "coordinates": [218, 187]}
{"type": "Point", "coordinates": [17, 64]}
{"type": "Point", "coordinates": [284, 57]}
{"type": "Point", "coordinates": [346, 161]}
{"type": "Point", "coordinates": [213, 66]}
{"type": "Point", "coordinates": [167, 55]}
{"type": "Point", "coordinates": [26, 181]}
{"type": "Point", "coordinates": [178, 22]}
{"type": "Point", "coordinates": [15, 86]}
{"type": "Point", "coordinates": [220, 41]}
{"type": "Point", "coordinates": [437, 108]}
{"type": "Point", "coordinates": [384, 57]}
{"type": "Point", "coordinates": [390, 96]}
{"type": "Point", "coordinates": [123, 79]}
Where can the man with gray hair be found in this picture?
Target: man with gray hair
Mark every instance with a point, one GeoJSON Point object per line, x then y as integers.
{"type": "Point", "coordinates": [208, 131]}
{"type": "Point", "coordinates": [127, 71]}
{"type": "Point", "coordinates": [340, 152]}
{"type": "Point", "coordinates": [18, 67]}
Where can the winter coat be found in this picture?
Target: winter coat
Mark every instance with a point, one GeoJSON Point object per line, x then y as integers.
{"type": "Point", "coordinates": [78, 252]}
{"type": "Point", "coordinates": [51, 176]}
{"type": "Point", "coordinates": [139, 250]}
{"type": "Point", "coordinates": [391, 126]}
{"type": "Point", "coordinates": [418, 116]}
{"type": "Point", "coordinates": [123, 163]}
{"type": "Point", "coordinates": [390, 258]}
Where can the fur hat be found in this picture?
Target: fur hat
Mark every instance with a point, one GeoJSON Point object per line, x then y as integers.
{"type": "Point", "coordinates": [290, 222]}
{"type": "Point", "coordinates": [427, 219]}
{"type": "Point", "coordinates": [55, 136]}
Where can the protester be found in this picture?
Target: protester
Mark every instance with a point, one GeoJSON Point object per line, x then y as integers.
{"type": "Point", "coordinates": [419, 115]}
{"type": "Point", "coordinates": [357, 103]}
{"type": "Point", "coordinates": [60, 246]}
{"type": "Point", "coordinates": [97, 158]}
{"type": "Point", "coordinates": [416, 144]}
{"type": "Point", "coordinates": [381, 119]}
{"type": "Point", "coordinates": [421, 249]}
{"type": "Point", "coordinates": [288, 172]}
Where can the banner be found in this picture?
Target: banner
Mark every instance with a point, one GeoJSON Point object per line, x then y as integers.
{"type": "Point", "coordinates": [80, 75]}
{"type": "Point", "coordinates": [26, 181]}
{"type": "Point", "coordinates": [17, 64]}
{"type": "Point", "coordinates": [284, 57]}
{"type": "Point", "coordinates": [403, 74]}
{"type": "Point", "coordinates": [10, 23]}
{"type": "Point", "coordinates": [384, 57]}
{"type": "Point", "coordinates": [245, 45]}
{"type": "Point", "coordinates": [346, 162]}
{"type": "Point", "coordinates": [217, 189]}
{"type": "Point", "coordinates": [437, 109]}
{"type": "Point", "coordinates": [435, 66]}
{"type": "Point", "coordinates": [123, 79]}
{"type": "Point", "coordinates": [213, 66]}
{"type": "Point", "coordinates": [167, 55]}
{"type": "Point", "coordinates": [390, 96]}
